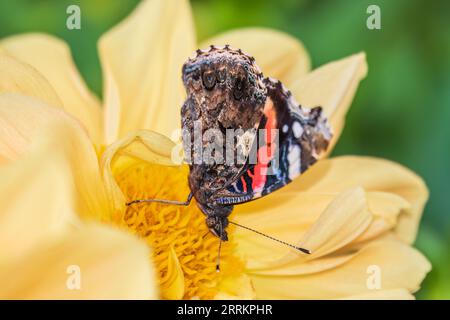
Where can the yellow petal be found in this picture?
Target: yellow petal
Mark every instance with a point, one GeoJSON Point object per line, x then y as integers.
{"type": "Point", "coordinates": [36, 200]}
{"type": "Point", "coordinates": [345, 218]}
{"type": "Point", "coordinates": [285, 217]}
{"type": "Point", "coordinates": [51, 57]}
{"type": "Point", "coordinates": [23, 118]}
{"type": "Point", "coordinates": [301, 266]}
{"type": "Point", "coordinates": [343, 221]}
{"type": "Point", "coordinates": [393, 294]}
{"type": "Point", "coordinates": [19, 77]}
{"type": "Point", "coordinates": [236, 287]}
{"type": "Point", "coordinates": [293, 215]}
{"type": "Point", "coordinates": [372, 174]}
{"type": "Point", "coordinates": [111, 265]}
{"type": "Point", "coordinates": [141, 60]}
{"type": "Point", "coordinates": [333, 87]}
{"type": "Point", "coordinates": [385, 208]}
{"type": "Point", "coordinates": [278, 54]}
{"type": "Point", "coordinates": [142, 145]}
{"type": "Point", "coordinates": [173, 281]}
{"type": "Point", "coordinates": [401, 267]}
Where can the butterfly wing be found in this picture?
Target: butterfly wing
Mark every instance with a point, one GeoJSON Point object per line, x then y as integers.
{"type": "Point", "coordinates": [290, 139]}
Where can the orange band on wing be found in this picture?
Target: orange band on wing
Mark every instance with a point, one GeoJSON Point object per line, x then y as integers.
{"type": "Point", "coordinates": [265, 153]}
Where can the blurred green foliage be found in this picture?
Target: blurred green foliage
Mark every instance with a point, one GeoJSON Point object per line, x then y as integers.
{"type": "Point", "coordinates": [401, 111]}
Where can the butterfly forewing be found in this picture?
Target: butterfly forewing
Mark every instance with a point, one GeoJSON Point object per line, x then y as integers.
{"type": "Point", "coordinates": [290, 139]}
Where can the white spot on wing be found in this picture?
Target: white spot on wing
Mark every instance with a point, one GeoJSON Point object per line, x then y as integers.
{"type": "Point", "coordinates": [285, 128]}
{"type": "Point", "coordinates": [294, 161]}
{"type": "Point", "coordinates": [297, 129]}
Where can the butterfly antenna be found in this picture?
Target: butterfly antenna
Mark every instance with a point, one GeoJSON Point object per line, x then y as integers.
{"type": "Point", "coordinates": [272, 238]}
{"type": "Point", "coordinates": [173, 202]}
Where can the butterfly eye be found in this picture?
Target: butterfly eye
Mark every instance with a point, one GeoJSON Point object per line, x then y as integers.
{"type": "Point", "coordinates": [209, 80]}
{"type": "Point", "coordinates": [221, 75]}
{"type": "Point", "coordinates": [239, 87]}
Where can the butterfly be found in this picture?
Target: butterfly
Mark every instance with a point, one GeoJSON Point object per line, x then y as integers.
{"type": "Point", "coordinates": [276, 138]}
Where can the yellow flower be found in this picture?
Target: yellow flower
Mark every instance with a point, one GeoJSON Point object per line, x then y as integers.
{"type": "Point", "coordinates": [68, 164]}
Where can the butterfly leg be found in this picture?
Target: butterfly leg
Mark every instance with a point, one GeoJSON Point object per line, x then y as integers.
{"type": "Point", "coordinates": [173, 202]}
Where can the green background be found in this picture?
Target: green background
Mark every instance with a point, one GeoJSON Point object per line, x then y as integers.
{"type": "Point", "coordinates": [401, 111]}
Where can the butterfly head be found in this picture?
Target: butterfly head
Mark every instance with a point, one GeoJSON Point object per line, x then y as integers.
{"type": "Point", "coordinates": [217, 225]}
{"type": "Point", "coordinates": [224, 82]}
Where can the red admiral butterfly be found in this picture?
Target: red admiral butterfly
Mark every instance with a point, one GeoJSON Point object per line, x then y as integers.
{"type": "Point", "coordinates": [227, 91]}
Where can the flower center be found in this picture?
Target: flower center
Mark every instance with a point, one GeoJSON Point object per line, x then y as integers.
{"type": "Point", "coordinates": [179, 230]}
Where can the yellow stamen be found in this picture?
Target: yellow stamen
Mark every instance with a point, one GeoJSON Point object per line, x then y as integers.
{"type": "Point", "coordinates": [181, 228]}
